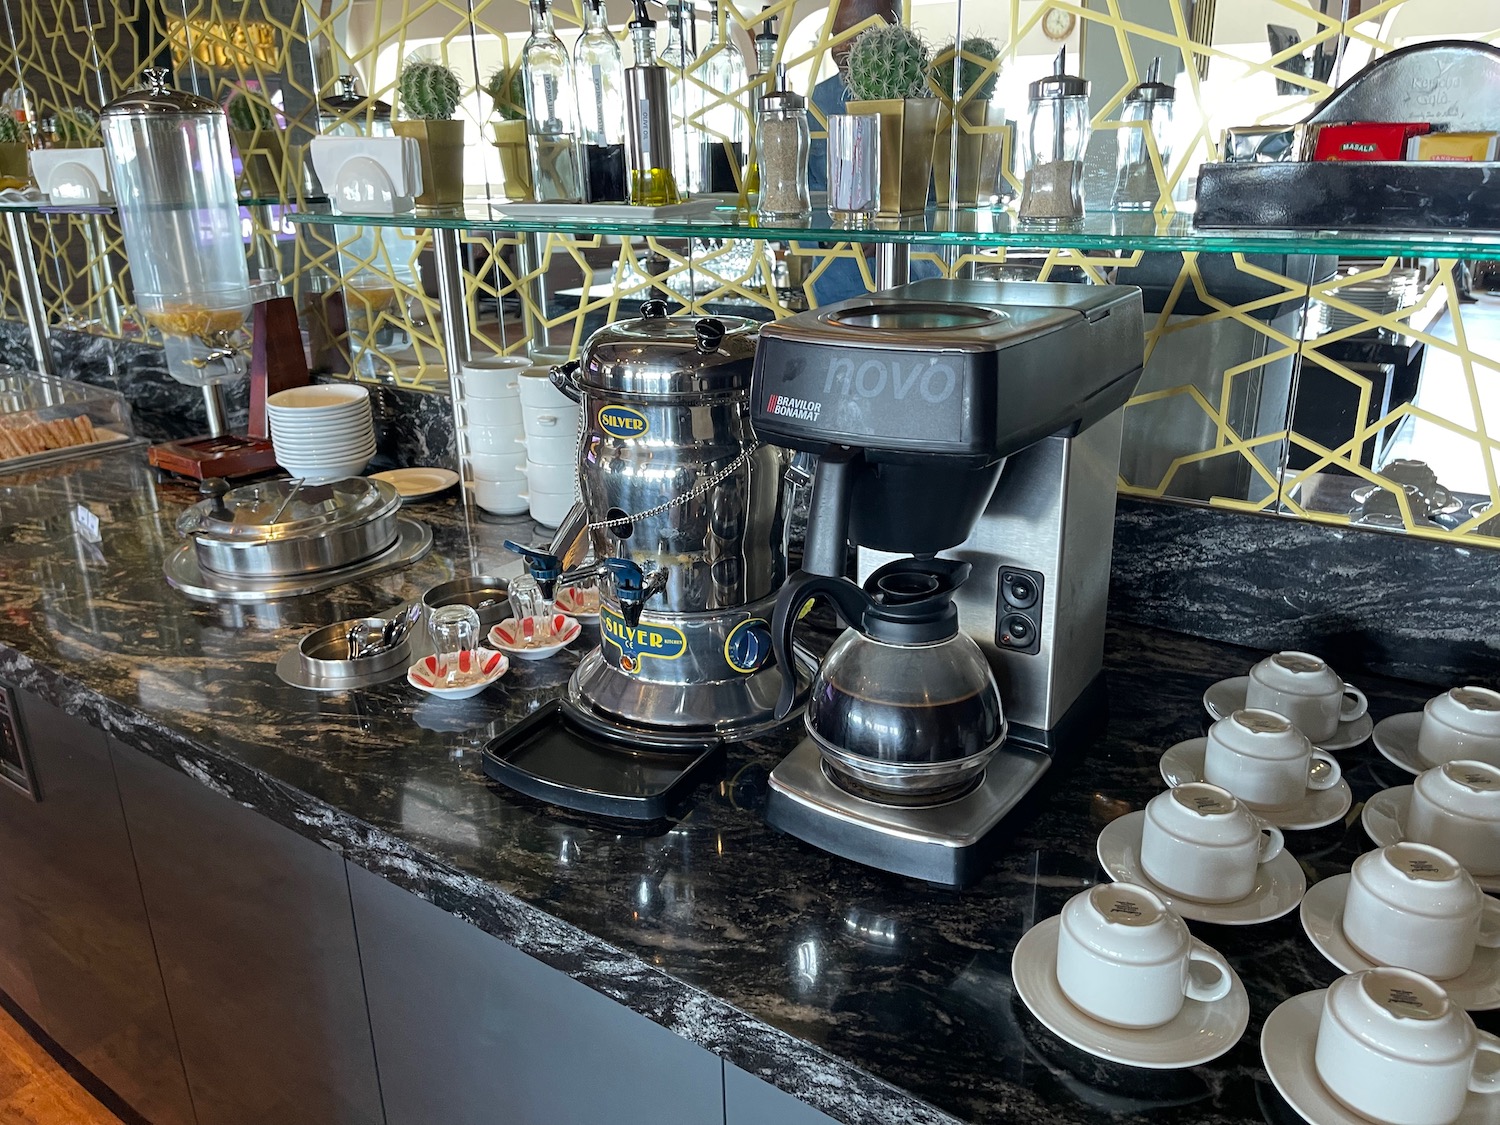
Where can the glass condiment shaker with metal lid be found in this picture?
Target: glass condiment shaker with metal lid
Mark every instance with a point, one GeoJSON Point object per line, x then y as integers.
{"type": "Point", "coordinates": [173, 176]}
{"type": "Point", "coordinates": [344, 113]}
{"type": "Point", "coordinates": [1150, 104]}
{"type": "Point", "coordinates": [782, 140]}
{"type": "Point", "coordinates": [1053, 140]}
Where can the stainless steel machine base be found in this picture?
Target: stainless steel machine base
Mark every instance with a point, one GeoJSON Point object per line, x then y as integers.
{"type": "Point", "coordinates": [939, 843]}
{"type": "Point", "coordinates": [686, 712]}
{"type": "Point", "coordinates": [183, 572]}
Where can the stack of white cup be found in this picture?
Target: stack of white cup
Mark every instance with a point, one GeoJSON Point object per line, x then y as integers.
{"type": "Point", "coordinates": [551, 421]}
{"type": "Point", "coordinates": [493, 438]}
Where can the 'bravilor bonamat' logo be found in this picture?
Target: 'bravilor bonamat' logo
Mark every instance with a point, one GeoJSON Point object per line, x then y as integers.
{"type": "Point", "coordinates": [623, 422]}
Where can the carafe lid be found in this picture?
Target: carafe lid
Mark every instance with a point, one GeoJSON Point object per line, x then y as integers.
{"type": "Point", "coordinates": [156, 97]}
{"type": "Point", "coordinates": [669, 356]}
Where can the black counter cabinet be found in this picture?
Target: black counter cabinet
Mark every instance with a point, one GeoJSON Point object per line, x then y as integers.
{"type": "Point", "coordinates": [78, 925]}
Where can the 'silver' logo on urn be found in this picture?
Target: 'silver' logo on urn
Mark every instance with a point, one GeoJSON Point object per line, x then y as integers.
{"type": "Point", "coordinates": [623, 422]}
{"type": "Point", "coordinates": [648, 639]}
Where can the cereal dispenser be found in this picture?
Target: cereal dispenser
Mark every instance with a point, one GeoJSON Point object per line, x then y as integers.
{"type": "Point", "coordinates": [170, 159]}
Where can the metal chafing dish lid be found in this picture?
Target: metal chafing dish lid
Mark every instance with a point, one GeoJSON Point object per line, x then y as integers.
{"type": "Point", "coordinates": [277, 510]}
{"type": "Point", "coordinates": [657, 354]}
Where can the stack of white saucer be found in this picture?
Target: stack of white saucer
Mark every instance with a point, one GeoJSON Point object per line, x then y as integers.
{"type": "Point", "coordinates": [551, 422]}
{"type": "Point", "coordinates": [493, 438]}
{"type": "Point", "coordinates": [322, 433]}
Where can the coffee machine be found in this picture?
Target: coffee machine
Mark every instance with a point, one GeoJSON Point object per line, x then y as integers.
{"type": "Point", "coordinates": [968, 438]}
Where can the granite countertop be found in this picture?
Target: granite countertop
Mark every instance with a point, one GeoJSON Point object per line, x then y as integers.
{"type": "Point", "coordinates": [871, 997]}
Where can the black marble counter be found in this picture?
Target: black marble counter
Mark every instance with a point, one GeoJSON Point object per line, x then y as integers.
{"type": "Point", "coordinates": [873, 998]}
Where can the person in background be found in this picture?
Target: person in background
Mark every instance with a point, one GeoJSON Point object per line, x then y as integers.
{"type": "Point", "coordinates": [842, 279]}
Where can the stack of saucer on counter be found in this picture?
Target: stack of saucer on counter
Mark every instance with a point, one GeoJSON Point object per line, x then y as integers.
{"type": "Point", "coordinates": [1118, 975]}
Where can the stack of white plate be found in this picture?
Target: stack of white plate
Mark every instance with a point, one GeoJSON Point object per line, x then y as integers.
{"type": "Point", "coordinates": [551, 420]}
{"type": "Point", "coordinates": [1380, 295]}
{"type": "Point", "coordinates": [493, 437]}
{"type": "Point", "coordinates": [322, 433]}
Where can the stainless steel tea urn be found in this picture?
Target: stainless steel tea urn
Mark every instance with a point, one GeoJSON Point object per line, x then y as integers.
{"type": "Point", "coordinates": [683, 509]}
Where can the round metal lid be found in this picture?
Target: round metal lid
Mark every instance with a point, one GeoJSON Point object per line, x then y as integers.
{"type": "Point", "coordinates": [657, 354]}
{"type": "Point", "coordinates": [1059, 86]}
{"type": "Point", "coordinates": [156, 97]}
{"type": "Point", "coordinates": [278, 510]}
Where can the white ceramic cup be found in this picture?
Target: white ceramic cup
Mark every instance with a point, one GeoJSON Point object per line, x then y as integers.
{"type": "Point", "coordinates": [1265, 760]}
{"type": "Point", "coordinates": [554, 449]}
{"type": "Point", "coordinates": [1412, 906]}
{"type": "Point", "coordinates": [499, 466]}
{"type": "Point", "coordinates": [502, 440]}
{"type": "Point", "coordinates": [1461, 723]}
{"type": "Point", "coordinates": [1456, 807]}
{"type": "Point", "coordinates": [551, 422]}
{"type": "Point", "coordinates": [1124, 958]}
{"type": "Point", "coordinates": [1393, 1048]}
{"type": "Point", "coordinates": [494, 412]}
{"type": "Point", "coordinates": [1307, 691]}
{"type": "Point", "coordinates": [1201, 842]}
{"type": "Point", "coordinates": [549, 508]}
{"type": "Point", "coordinates": [493, 377]}
{"type": "Point", "coordinates": [503, 498]}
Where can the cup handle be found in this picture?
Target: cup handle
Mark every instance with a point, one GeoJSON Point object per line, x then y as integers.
{"type": "Point", "coordinates": [1485, 1083]}
{"type": "Point", "coordinates": [1271, 843]}
{"type": "Point", "coordinates": [1489, 923]}
{"type": "Point", "coordinates": [1353, 705]}
{"type": "Point", "coordinates": [1203, 955]}
{"type": "Point", "coordinates": [1330, 778]}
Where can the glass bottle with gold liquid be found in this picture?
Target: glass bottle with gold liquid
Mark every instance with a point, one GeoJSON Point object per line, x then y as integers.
{"type": "Point", "coordinates": [648, 120]}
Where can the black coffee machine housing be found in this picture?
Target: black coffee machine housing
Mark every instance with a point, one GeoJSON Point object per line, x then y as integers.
{"type": "Point", "coordinates": [914, 400]}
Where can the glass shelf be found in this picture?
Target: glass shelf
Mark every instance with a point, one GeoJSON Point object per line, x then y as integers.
{"type": "Point", "coordinates": [1103, 231]}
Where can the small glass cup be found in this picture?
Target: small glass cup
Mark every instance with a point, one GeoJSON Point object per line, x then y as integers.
{"type": "Point", "coordinates": [526, 601]}
{"type": "Point", "coordinates": [454, 630]}
{"type": "Point", "coordinates": [853, 167]}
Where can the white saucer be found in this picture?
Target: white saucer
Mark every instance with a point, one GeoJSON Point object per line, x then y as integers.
{"type": "Point", "coordinates": [579, 604]}
{"type": "Point", "coordinates": [1384, 818]}
{"type": "Point", "coordinates": [1318, 809]}
{"type": "Point", "coordinates": [492, 665]}
{"type": "Point", "coordinates": [1199, 1033]}
{"type": "Point", "coordinates": [1477, 990]}
{"type": "Point", "coordinates": [418, 484]}
{"type": "Point", "coordinates": [1287, 1043]}
{"type": "Point", "coordinates": [1396, 738]}
{"type": "Point", "coordinates": [1279, 885]}
{"type": "Point", "coordinates": [1228, 696]}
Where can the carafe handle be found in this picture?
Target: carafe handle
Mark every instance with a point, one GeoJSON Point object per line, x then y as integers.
{"type": "Point", "coordinates": [849, 601]}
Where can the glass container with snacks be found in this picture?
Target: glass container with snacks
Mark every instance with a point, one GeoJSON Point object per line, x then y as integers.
{"type": "Point", "coordinates": [1053, 139]}
{"type": "Point", "coordinates": [173, 175]}
{"type": "Point", "coordinates": [43, 419]}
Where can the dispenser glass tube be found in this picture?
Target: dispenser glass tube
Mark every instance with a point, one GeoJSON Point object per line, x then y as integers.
{"type": "Point", "coordinates": [170, 160]}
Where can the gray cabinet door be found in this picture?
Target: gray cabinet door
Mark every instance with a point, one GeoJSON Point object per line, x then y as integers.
{"type": "Point", "coordinates": [257, 947]}
{"type": "Point", "coordinates": [750, 1101]}
{"type": "Point", "coordinates": [87, 939]}
{"type": "Point", "coordinates": [469, 1031]}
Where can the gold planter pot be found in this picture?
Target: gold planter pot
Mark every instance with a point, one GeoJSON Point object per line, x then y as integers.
{"type": "Point", "coordinates": [442, 144]}
{"type": "Point", "coordinates": [261, 158]}
{"type": "Point", "coordinates": [908, 127]}
{"type": "Point", "coordinates": [981, 137]}
{"type": "Point", "coordinates": [15, 160]}
{"type": "Point", "coordinates": [515, 159]}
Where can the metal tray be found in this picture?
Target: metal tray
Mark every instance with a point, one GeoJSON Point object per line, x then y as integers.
{"type": "Point", "coordinates": [559, 756]}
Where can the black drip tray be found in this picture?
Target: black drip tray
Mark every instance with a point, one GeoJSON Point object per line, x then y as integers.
{"type": "Point", "coordinates": [559, 756]}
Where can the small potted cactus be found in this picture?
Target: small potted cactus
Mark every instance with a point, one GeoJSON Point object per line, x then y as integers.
{"type": "Point", "coordinates": [13, 150]}
{"type": "Point", "coordinates": [964, 78]}
{"type": "Point", "coordinates": [506, 88]}
{"type": "Point", "coordinates": [886, 72]}
{"type": "Point", "coordinates": [261, 143]}
{"type": "Point", "coordinates": [427, 94]}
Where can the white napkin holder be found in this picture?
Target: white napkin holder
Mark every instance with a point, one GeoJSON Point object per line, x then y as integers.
{"type": "Point", "coordinates": [72, 177]}
{"type": "Point", "coordinates": [369, 175]}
